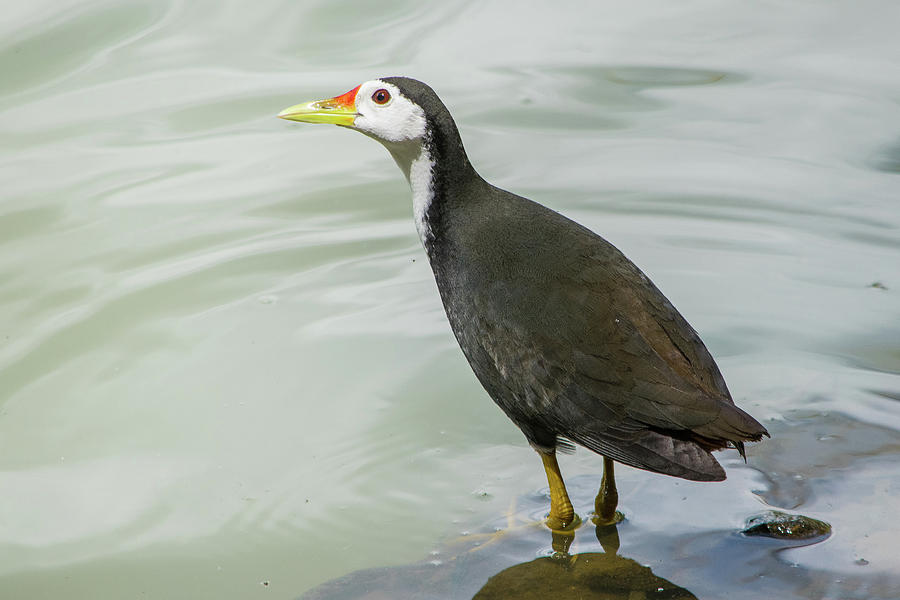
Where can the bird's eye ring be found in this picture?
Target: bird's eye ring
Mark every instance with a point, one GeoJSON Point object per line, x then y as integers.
{"type": "Point", "coordinates": [381, 96]}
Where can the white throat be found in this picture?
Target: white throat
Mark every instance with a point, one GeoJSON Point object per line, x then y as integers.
{"type": "Point", "coordinates": [416, 163]}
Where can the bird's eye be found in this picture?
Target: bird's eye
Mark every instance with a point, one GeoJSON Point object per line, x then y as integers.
{"type": "Point", "coordinates": [381, 96]}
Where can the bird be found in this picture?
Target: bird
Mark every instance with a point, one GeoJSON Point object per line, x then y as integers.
{"type": "Point", "coordinates": [568, 336]}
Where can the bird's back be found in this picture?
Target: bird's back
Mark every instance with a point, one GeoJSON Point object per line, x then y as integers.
{"type": "Point", "coordinates": [573, 341]}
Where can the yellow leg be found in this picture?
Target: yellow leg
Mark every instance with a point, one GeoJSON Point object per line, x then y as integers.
{"type": "Point", "coordinates": [607, 497]}
{"type": "Point", "coordinates": [562, 513]}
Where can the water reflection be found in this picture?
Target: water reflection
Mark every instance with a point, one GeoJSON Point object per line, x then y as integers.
{"type": "Point", "coordinates": [482, 568]}
{"type": "Point", "coordinates": [602, 575]}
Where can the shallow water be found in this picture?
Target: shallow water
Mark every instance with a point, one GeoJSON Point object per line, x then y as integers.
{"type": "Point", "coordinates": [223, 360]}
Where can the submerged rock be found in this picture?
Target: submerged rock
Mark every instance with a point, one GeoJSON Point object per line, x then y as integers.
{"type": "Point", "coordinates": [785, 526]}
{"type": "Point", "coordinates": [592, 575]}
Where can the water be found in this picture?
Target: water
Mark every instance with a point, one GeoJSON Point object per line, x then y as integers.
{"type": "Point", "coordinates": [224, 368]}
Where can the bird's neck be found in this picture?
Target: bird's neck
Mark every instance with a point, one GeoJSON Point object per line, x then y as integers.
{"type": "Point", "coordinates": [438, 171]}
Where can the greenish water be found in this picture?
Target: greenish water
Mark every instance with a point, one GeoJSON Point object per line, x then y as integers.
{"type": "Point", "coordinates": [223, 360]}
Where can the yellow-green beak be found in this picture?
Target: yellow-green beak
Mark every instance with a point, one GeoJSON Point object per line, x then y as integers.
{"type": "Point", "coordinates": [340, 110]}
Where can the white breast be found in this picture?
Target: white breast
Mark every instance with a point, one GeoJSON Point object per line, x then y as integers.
{"type": "Point", "coordinates": [420, 182]}
{"type": "Point", "coordinates": [416, 163]}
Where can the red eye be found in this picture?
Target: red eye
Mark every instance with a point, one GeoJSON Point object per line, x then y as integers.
{"type": "Point", "coordinates": [381, 96]}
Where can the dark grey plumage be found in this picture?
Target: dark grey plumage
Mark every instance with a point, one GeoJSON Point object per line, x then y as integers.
{"type": "Point", "coordinates": [565, 333]}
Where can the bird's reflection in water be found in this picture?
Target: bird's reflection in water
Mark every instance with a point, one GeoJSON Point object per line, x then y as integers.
{"type": "Point", "coordinates": [501, 565]}
{"type": "Point", "coordinates": [601, 575]}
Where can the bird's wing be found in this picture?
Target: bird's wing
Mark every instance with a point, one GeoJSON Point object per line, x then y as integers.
{"type": "Point", "coordinates": [670, 379]}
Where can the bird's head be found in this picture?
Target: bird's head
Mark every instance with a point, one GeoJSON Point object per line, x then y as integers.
{"type": "Point", "coordinates": [378, 108]}
{"type": "Point", "coordinates": [406, 116]}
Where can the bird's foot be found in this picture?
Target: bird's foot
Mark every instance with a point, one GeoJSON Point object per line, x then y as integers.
{"type": "Point", "coordinates": [564, 526]}
{"type": "Point", "coordinates": [602, 520]}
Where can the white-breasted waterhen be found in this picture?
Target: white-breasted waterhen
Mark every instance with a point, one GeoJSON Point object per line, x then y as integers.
{"type": "Point", "coordinates": [568, 336]}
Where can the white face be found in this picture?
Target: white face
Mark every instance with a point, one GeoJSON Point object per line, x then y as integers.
{"type": "Point", "coordinates": [385, 114]}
